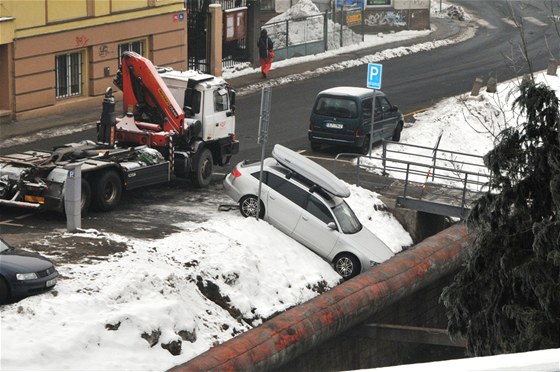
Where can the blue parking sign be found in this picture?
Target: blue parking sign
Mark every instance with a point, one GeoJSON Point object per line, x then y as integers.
{"type": "Point", "coordinates": [374, 75]}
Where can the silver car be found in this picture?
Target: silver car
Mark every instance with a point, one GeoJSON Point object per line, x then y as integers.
{"type": "Point", "coordinates": [306, 202]}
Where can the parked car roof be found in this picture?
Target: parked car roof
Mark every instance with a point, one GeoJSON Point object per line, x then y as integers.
{"type": "Point", "coordinates": [311, 171]}
{"type": "Point", "coordinates": [351, 91]}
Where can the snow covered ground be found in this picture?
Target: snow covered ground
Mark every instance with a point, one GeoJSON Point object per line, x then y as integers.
{"type": "Point", "coordinates": [164, 301]}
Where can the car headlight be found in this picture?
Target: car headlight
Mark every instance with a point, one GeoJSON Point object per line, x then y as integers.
{"type": "Point", "coordinates": [26, 276]}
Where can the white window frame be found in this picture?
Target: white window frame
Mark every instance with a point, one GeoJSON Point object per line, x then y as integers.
{"type": "Point", "coordinates": [69, 77]}
{"type": "Point", "coordinates": [130, 46]}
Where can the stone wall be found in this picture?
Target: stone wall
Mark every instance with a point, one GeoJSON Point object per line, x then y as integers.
{"type": "Point", "coordinates": [385, 20]}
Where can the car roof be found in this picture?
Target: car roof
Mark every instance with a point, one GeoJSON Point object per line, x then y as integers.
{"type": "Point", "coordinates": [350, 92]}
{"type": "Point", "coordinates": [311, 171]}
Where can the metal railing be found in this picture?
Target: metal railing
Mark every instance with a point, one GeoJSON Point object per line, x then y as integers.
{"type": "Point", "coordinates": [449, 180]}
{"type": "Point", "coordinates": [310, 40]}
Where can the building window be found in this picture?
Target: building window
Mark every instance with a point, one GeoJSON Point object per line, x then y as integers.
{"type": "Point", "coordinates": [378, 2]}
{"type": "Point", "coordinates": [133, 46]}
{"type": "Point", "coordinates": [69, 75]}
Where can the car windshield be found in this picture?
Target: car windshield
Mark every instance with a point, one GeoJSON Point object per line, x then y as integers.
{"type": "Point", "coordinates": [345, 216]}
{"type": "Point", "coordinates": [3, 246]}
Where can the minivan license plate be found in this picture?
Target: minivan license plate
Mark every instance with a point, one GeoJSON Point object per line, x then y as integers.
{"type": "Point", "coordinates": [334, 125]}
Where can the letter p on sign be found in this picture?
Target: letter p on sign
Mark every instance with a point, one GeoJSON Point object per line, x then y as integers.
{"type": "Point", "coordinates": [374, 75]}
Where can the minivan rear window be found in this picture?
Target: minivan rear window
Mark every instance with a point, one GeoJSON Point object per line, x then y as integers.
{"type": "Point", "coordinates": [337, 107]}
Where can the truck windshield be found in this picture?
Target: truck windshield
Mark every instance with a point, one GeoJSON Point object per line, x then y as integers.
{"type": "Point", "coordinates": [346, 218]}
{"type": "Point", "coordinates": [337, 107]}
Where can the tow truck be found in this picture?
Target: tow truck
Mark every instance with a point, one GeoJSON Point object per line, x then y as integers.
{"type": "Point", "coordinates": [154, 140]}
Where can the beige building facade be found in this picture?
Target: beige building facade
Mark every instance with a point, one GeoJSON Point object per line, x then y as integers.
{"type": "Point", "coordinates": [57, 55]}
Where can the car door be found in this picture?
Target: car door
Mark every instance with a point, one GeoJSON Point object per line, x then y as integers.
{"type": "Point", "coordinates": [285, 203]}
{"type": "Point", "coordinates": [389, 116]}
{"type": "Point", "coordinates": [378, 121]}
{"type": "Point", "coordinates": [219, 116]}
{"type": "Point", "coordinates": [312, 231]}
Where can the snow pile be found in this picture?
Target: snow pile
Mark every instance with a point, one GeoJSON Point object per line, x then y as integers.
{"type": "Point", "coordinates": [306, 24]}
{"type": "Point", "coordinates": [162, 302]}
{"type": "Point", "coordinates": [467, 124]}
{"type": "Point", "coordinates": [444, 10]}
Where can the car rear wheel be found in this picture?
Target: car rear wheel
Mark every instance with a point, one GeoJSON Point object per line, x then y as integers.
{"type": "Point", "coordinates": [364, 150]}
{"type": "Point", "coordinates": [347, 265]}
{"type": "Point", "coordinates": [315, 146]}
{"type": "Point", "coordinates": [248, 206]}
{"type": "Point", "coordinates": [4, 291]}
{"type": "Point", "coordinates": [397, 133]}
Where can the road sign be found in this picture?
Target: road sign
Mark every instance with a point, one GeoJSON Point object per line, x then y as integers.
{"type": "Point", "coordinates": [374, 75]}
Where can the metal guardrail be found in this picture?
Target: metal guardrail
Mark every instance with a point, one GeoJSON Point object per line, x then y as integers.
{"type": "Point", "coordinates": [445, 182]}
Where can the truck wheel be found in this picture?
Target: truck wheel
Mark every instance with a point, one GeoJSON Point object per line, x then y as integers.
{"type": "Point", "coordinates": [248, 206]}
{"type": "Point", "coordinates": [347, 265]}
{"type": "Point", "coordinates": [86, 196]}
{"type": "Point", "coordinates": [203, 167]}
{"type": "Point", "coordinates": [107, 191]}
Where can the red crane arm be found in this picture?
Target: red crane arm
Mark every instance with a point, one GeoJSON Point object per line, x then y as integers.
{"type": "Point", "coordinates": [144, 91]}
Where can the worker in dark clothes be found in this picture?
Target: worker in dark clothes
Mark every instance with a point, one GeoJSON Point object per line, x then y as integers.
{"type": "Point", "coordinates": [266, 52]}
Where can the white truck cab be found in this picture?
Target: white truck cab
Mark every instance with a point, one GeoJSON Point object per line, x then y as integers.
{"type": "Point", "coordinates": [204, 97]}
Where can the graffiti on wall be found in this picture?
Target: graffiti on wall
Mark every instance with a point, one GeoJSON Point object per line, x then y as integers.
{"type": "Point", "coordinates": [81, 41]}
{"type": "Point", "coordinates": [386, 18]}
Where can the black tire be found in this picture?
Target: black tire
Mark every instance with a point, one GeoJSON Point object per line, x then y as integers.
{"type": "Point", "coordinates": [347, 265]}
{"type": "Point", "coordinates": [315, 146]}
{"type": "Point", "coordinates": [107, 191]}
{"type": "Point", "coordinates": [397, 133]}
{"type": "Point", "coordinates": [248, 206]}
{"type": "Point", "coordinates": [203, 168]}
{"type": "Point", "coordinates": [4, 291]}
{"type": "Point", "coordinates": [86, 196]}
{"type": "Point", "coordinates": [364, 150]}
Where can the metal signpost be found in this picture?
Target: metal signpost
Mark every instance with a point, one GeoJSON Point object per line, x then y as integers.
{"type": "Point", "coordinates": [374, 73]}
{"type": "Point", "coordinates": [263, 135]}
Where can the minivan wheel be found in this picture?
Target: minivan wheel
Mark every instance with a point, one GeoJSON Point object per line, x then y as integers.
{"type": "Point", "coordinates": [397, 133]}
{"type": "Point", "coordinates": [315, 146]}
{"type": "Point", "coordinates": [248, 206]}
{"type": "Point", "coordinates": [364, 150]}
{"type": "Point", "coordinates": [347, 265]}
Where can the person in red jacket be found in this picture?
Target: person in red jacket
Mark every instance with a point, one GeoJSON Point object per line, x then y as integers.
{"type": "Point", "coordinates": [266, 52]}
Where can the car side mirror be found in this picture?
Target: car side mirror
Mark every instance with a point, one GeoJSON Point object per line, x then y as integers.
{"type": "Point", "coordinates": [395, 108]}
{"type": "Point", "coordinates": [331, 225]}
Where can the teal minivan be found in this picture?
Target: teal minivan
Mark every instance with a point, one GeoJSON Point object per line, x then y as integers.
{"type": "Point", "coordinates": [342, 116]}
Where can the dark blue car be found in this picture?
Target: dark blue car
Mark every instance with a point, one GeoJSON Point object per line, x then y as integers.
{"type": "Point", "coordinates": [23, 274]}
